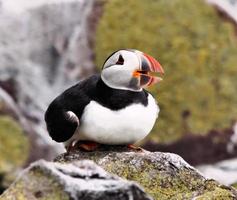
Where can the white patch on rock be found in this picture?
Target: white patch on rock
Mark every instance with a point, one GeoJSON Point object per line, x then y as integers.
{"type": "Point", "coordinates": [20, 6]}
{"type": "Point", "coordinates": [224, 172]}
{"type": "Point", "coordinates": [176, 160]}
{"type": "Point", "coordinates": [233, 140]}
{"type": "Point", "coordinates": [227, 6]}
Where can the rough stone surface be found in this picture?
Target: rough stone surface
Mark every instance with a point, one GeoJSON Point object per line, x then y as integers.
{"type": "Point", "coordinates": [76, 180]}
{"type": "Point", "coordinates": [163, 175]}
{"type": "Point", "coordinates": [228, 7]}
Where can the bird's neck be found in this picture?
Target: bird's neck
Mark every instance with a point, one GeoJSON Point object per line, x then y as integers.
{"type": "Point", "coordinates": [103, 88]}
{"type": "Point", "coordinates": [117, 99]}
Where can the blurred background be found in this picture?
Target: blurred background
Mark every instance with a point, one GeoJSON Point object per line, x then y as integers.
{"type": "Point", "coordinates": [48, 45]}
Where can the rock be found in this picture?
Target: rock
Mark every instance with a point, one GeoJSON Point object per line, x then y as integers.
{"type": "Point", "coordinates": [49, 53]}
{"type": "Point", "coordinates": [14, 150]}
{"type": "Point", "coordinates": [82, 180]}
{"type": "Point", "coordinates": [163, 175]}
{"type": "Point", "coordinates": [224, 172]}
{"type": "Point", "coordinates": [14, 145]}
{"type": "Point", "coordinates": [228, 7]}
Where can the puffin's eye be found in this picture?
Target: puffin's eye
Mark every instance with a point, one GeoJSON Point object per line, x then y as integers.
{"type": "Point", "coordinates": [120, 60]}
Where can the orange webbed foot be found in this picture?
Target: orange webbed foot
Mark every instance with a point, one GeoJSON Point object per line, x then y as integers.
{"type": "Point", "coordinates": [132, 147]}
{"type": "Point", "coordinates": [88, 146]}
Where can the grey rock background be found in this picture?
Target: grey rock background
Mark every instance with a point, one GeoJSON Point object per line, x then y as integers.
{"type": "Point", "coordinates": [229, 7]}
{"type": "Point", "coordinates": [50, 52]}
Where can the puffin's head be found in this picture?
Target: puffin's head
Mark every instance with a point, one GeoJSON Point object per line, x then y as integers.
{"type": "Point", "coordinates": [130, 70]}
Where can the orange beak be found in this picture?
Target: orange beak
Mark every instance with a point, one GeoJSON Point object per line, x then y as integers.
{"type": "Point", "coordinates": [148, 65]}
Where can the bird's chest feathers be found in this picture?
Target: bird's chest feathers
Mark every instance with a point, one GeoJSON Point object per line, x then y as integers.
{"type": "Point", "coordinates": [126, 125]}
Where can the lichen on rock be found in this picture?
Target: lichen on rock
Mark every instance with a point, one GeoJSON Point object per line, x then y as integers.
{"type": "Point", "coordinates": [163, 175]}
{"type": "Point", "coordinates": [13, 145]}
{"type": "Point", "coordinates": [77, 180]}
{"type": "Point", "coordinates": [14, 150]}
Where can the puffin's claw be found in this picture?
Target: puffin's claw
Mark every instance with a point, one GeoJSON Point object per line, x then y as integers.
{"type": "Point", "coordinates": [132, 147]}
{"type": "Point", "coordinates": [71, 146]}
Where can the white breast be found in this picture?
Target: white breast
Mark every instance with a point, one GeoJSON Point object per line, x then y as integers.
{"type": "Point", "coordinates": [125, 126]}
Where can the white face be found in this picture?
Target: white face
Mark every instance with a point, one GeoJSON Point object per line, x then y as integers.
{"type": "Point", "coordinates": [119, 68]}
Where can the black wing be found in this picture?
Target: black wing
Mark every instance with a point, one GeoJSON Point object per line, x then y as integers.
{"type": "Point", "coordinates": [59, 125]}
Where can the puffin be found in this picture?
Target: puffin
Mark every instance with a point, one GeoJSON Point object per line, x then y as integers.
{"type": "Point", "coordinates": [110, 108]}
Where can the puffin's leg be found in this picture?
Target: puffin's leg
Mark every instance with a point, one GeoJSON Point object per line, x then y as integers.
{"type": "Point", "coordinates": [131, 146]}
{"type": "Point", "coordinates": [71, 146]}
{"type": "Point", "coordinates": [88, 145]}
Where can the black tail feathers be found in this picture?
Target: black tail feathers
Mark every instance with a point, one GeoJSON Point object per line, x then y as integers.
{"type": "Point", "coordinates": [61, 124]}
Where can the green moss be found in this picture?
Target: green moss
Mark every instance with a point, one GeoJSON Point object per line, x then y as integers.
{"type": "Point", "coordinates": [184, 184]}
{"type": "Point", "coordinates": [160, 185]}
{"type": "Point", "coordinates": [220, 193]}
{"type": "Point", "coordinates": [234, 185]}
{"type": "Point", "coordinates": [197, 50]}
{"type": "Point", "coordinates": [35, 185]}
{"type": "Point", "coordinates": [14, 146]}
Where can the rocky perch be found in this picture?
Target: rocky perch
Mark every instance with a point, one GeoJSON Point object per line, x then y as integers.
{"type": "Point", "coordinates": [77, 180]}
{"type": "Point", "coordinates": [72, 176]}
